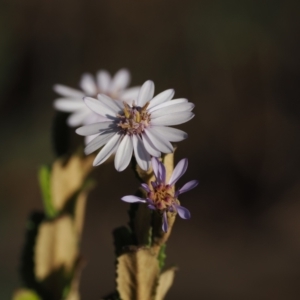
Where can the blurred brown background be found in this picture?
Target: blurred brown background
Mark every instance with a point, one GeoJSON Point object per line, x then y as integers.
{"type": "Point", "coordinates": [238, 61]}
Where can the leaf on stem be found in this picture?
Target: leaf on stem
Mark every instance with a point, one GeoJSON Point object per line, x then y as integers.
{"type": "Point", "coordinates": [24, 294]}
{"type": "Point", "coordinates": [56, 254]}
{"type": "Point", "coordinates": [137, 275]}
{"type": "Point", "coordinates": [45, 184]}
{"type": "Point", "coordinates": [164, 283]}
{"type": "Point", "coordinates": [67, 178]}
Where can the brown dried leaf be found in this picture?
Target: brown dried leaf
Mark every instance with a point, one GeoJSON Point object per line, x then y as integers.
{"type": "Point", "coordinates": [168, 161]}
{"type": "Point", "coordinates": [56, 253]}
{"type": "Point", "coordinates": [164, 283]}
{"type": "Point", "coordinates": [74, 287]}
{"type": "Point", "coordinates": [137, 275]}
{"type": "Point", "coordinates": [67, 178]}
{"type": "Point", "coordinates": [79, 211]}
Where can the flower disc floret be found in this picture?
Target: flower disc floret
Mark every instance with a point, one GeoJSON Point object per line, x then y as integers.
{"type": "Point", "coordinates": [162, 197]}
{"type": "Point", "coordinates": [134, 120]}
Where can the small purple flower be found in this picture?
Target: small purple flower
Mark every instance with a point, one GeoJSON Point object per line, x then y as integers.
{"type": "Point", "coordinates": [161, 196]}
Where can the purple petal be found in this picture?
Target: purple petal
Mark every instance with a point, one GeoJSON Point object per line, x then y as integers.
{"type": "Point", "coordinates": [179, 170]}
{"type": "Point", "coordinates": [155, 166]}
{"type": "Point", "coordinates": [150, 201]}
{"type": "Point", "coordinates": [162, 172]}
{"type": "Point", "coordinates": [133, 199]}
{"type": "Point", "coordinates": [183, 212]}
{"type": "Point", "coordinates": [165, 222]}
{"type": "Point", "coordinates": [188, 186]}
{"type": "Point", "coordinates": [145, 187]}
{"type": "Point", "coordinates": [154, 184]}
{"type": "Point", "coordinates": [152, 207]}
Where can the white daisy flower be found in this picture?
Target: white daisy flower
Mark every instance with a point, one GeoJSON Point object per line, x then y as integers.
{"type": "Point", "coordinates": [139, 126]}
{"type": "Point", "coordinates": [71, 100]}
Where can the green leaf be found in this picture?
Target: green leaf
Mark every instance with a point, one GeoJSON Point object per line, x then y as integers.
{"type": "Point", "coordinates": [162, 256]}
{"type": "Point", "coordinates": [45, 184]}
{"type": "Point", "coordinates": [24, 294]}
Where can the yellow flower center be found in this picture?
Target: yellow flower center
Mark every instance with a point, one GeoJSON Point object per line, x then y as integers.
{"type": "Point", "coordinates": [135, 119]}
{"type": "Point", "coordinates": [162, 196]}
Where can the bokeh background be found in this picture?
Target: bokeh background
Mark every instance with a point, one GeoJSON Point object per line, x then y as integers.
{"type": "Point", "coordinates": [238, 61]}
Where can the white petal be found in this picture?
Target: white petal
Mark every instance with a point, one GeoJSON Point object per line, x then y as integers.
{"type": "Point", "coordinates": [174, 119]}
{"type": "Point", "coordinates": [98, 142]}
{"type": "Point", "coordinates": [100, 108]}
{"type": "Point", "coordinates": [133, 199]}
{"type": "Point", "coordinates": [120, 81]}
{"type": "Point", "coordinates": [103, 81]}
{"type": "Point", "coordinates": [166, 104]}
{"type": "Point", "coordinates": [89, 138]}
{"type": "Point", "coordinates": [124, 154]}
{"type": "Point", "coordinates": [158, 141]}
{"type": "Point", "coordinates": [94, 118]}
{"type": "Point", "coordinates": [94, 128]}
{"type": "Point", "coordinates": [146, 93]}
{"type": "Point", "coordinates": [67, 91]}
{"type": "Point", "coordinates": [162, 97]}
{"type": "Point", "coordinates": [130, 94]}
{"type": "Point", "coordinates": [69, 104]}
{"type": "Point", "coordinates": [183, 212]}
{"type": "Point", "coordinates": [107, 150]}
{"type": "Point", "coordinates": [77, 118]}
{"type": "Point", "coordinates": [88, 84]}
{"type": "Point", "coordinates": [179, 170]}
{"type": "Point", "coordinates": [171, 134]}
{"type": "Point", "coordinates": [141, 155]}
{"type": "Point", "coordinates": [172, 109]}
{"type": "Point", "coordinates": [116, 105]}
{"type": "Point", "coordinates": [151, 149]}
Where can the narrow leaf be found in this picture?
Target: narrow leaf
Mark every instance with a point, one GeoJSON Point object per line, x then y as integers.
{"type": "Point", "coordinates": [45, 185]}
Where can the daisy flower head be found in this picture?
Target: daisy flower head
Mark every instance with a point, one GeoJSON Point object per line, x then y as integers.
{"type": "Point", "coordinates": [161, 195]}
{"type": "Point", "coordinates": [71, 99]}
{"type": "Point", "coordinates": [139, 125]}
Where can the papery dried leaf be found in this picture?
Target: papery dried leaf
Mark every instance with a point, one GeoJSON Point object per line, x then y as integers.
{"type": "Point", "coordinates": [79, 211]}
{"type": "Point", "coordinates": [168, 161]}
{"type": "Point", "coordinates": [67, 178]}
{"type": "Point", "coordinates": [164, 283]}
{"type": "Point", "coordinates": [73, 291]}
{"type": "Point", "coordinates": [28, 252]}
{"type": "Point", "coordinates": [24, 294]}
{"type": "Point", "coordinates": [137, 275]}
{"type": "Point", "coordinates": [56, 249]}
